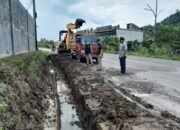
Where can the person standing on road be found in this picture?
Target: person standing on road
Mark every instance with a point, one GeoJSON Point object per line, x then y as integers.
{"type": "Point", "coordinates": [99, 54]}
{"type": "Point", "coordinates": [88, 53]}
{"type": "Point", "coordinates": [122, 55]}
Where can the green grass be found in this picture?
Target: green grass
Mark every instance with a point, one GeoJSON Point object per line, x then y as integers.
{"type": "Point", "coordinates": [145, 53]}
{"type": "Point", "coordinates": [27, 64]}
{"type": "Point", "coordinates": [3, 107]}
{"type": "Point", "coordinates": [4, 78]}
{"type": "Point", "coordinates": [18, 59]}
{"type": "Point", "coordinates": [159, 56]}
{"type": "Point", "coordinates": [111, 51]}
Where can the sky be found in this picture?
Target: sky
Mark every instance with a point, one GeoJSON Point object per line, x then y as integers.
{"type": "Point", "coordinates": [54, 15]}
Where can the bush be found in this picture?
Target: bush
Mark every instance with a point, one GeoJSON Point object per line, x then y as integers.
{"type": "Point", "coordinates": [168, 36]}
{"type": "Point", "coordinates": [45, 43]}
{"type": "Point", "coordinates": [133, 45]}
{"type": "Point", "coordinates": [111, 44]}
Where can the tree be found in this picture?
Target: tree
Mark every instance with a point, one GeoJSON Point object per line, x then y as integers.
{"type": "Point", "coordinates": [154, 11]}
{"type": "Point", "coordinates": [45, 43]}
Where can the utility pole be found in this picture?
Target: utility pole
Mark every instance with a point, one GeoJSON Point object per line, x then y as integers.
{"type": "Point", "coordinates": [11, 26]}
{"type": "Point", "coordinates": [35, 17]}
{"type": "Point", "coordinates": [156, 12]}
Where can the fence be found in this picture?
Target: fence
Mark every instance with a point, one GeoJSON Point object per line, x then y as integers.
{"type": "Point", "coordinates": [17, 34]}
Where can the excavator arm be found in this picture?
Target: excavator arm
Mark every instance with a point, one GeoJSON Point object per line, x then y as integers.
{"type": "Point", "coordinates": [69, 34]}
{"type": "Point", "coordinates": [70, 27]}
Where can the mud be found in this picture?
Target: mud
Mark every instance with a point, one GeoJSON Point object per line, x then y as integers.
{"type": "Point", "coordinates": [28, 101]}
{"type": "Point", "coordinates": [69, 118]}
{"type": "Point", "coordinates": [100, 107]}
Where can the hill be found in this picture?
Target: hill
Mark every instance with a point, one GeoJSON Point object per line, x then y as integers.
{"type": "Point", "coordinates": [172, 19]}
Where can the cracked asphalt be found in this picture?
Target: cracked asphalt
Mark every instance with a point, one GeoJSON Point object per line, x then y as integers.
{"type": "Point", "coordinates": [155, 81]}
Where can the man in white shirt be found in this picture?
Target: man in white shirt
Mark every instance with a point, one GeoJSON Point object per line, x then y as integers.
{"type": "Point", "coordinates": [122, 54]}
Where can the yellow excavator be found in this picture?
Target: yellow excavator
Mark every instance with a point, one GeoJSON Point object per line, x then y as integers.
{"type": "Point", "coordinates": [67, 44]}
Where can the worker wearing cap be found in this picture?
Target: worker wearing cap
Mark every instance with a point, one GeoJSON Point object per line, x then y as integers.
{"type": "Point", "coordinates": [122, 55]}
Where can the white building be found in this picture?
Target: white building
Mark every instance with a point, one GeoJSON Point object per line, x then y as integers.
{"type": "Point", "coordinates": [132, 32]}
{"type": "Point", "coordinates": [130, 35]}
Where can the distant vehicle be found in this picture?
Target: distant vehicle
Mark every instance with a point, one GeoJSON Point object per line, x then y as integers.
{"type": "Point", "coordinates": [79, 49]}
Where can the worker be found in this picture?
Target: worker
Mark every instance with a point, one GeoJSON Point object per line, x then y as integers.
{"type": "Point", "coordinates": [122, 55]}
{"type": "Point", "coordinates": [88, 53]}
{"type": "Point", "coordinates": [99, 54]}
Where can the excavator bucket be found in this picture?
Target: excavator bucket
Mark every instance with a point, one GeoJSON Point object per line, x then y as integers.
{"type": "Point", "coordinates": [79, 23]}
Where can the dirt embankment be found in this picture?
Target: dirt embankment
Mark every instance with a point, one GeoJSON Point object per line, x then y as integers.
{"type": "Point", "coordinates": [100, 107]}
{"type": "Point", "coordinates": [27, 96]}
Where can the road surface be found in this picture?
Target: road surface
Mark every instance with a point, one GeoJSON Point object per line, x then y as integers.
{"type": "Point", "coordinates": [155, 81]}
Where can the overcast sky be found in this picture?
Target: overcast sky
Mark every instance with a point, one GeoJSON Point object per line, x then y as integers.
{"type": "Point", "coordinates": [53, 15]}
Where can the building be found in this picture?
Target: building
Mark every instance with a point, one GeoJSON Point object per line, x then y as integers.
{"type": "Point", "coordinates": [132, 32]}
{"type": "Point", "coordinates": [130, 35]}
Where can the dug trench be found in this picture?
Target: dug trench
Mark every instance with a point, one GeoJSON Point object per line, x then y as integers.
{"type": "Point", "coordinates": [99, 106]}
{"type": "Point", "coordinates": [28, 96]}
{"type": "Point", "coordinates": [37, 104]}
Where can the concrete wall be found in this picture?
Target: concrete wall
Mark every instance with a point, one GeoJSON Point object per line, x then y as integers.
{"type": "Point", "coordinates": [130, 35]}
{"type": "Point", "coordinates": [17, 32]}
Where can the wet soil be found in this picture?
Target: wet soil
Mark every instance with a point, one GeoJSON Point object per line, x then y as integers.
{"type": "Point", "coordinates": [28, 101]}
{"type": "Point", "coordinates": [69, 117]}
{"type": "Point", "coordinates": [100, 107]}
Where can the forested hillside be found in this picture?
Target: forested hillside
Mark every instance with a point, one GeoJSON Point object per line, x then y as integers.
{"type": "Point", "coordinates": [172, 19]}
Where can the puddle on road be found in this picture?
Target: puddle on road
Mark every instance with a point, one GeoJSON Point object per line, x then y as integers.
{"type": "Point", "coordinates": [69, 118]}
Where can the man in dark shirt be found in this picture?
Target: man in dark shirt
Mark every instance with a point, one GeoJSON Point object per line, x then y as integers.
{"type": "Point", "coordinates": [88, 53]}
{"type": "Point", "coordinates": [99, 54]}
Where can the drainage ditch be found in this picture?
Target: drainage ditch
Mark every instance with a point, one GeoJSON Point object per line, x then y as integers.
{"type": "Point", "coordinates": [98, 106]}
{"type": "Point", "coordinates": [69, 117]}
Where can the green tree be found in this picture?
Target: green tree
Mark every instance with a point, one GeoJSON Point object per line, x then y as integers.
{"type": "Point", "coordinates": [168, 36]}
{"type": "Point", "coordinates": [111, 44]}
{"type": "Point", "coordinates": [45, 43]}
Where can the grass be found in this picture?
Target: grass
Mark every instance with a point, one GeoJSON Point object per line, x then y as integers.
{"type": "Point", "coordinates": [27, 64]}
{"type": "Point", "coordinates": [3, 107]}
{"type": "Point", "coordinates": [111, 51]}
{"type": "Point", "coordinates": [144, 53]}
{"type": "Point", "coordinates": [3, 110]}
{"type": "Point", "coordinates": [159, 56]}
{"type": "Point", "coordinates": [4, 78]}
{"type": "Point", "coordinates": [24, 65]}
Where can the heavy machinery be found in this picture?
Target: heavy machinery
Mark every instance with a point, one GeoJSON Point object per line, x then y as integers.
{"type": "Point", "coordinates": [68, 43]}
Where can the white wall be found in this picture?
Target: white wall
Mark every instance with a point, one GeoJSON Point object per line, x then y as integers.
{"type": "Point", "coordinates": [130, 35]}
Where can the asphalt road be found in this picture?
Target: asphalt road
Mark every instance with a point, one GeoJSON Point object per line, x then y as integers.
{"type": "Point", "coordinates": [155, 81]}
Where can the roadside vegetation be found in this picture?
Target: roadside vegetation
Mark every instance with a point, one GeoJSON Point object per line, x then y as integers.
{"type": "Point", "coordinates": [44, 43]}
{"type": "Point", "coordinates": [161, 41]}
{"type": "Point", "coordinates": [25, 66]}
{"type": "Point", "coordinates": [27, 63]}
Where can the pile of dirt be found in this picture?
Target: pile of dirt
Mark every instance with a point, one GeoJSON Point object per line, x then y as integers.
{"type": "Point", "coordinates": [27, 99]}
{"type": "Point", "coordinates": [99, 106]}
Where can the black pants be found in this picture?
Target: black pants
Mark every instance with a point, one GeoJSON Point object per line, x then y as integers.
{"type": "Point", "coordinates": [123, 64]}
